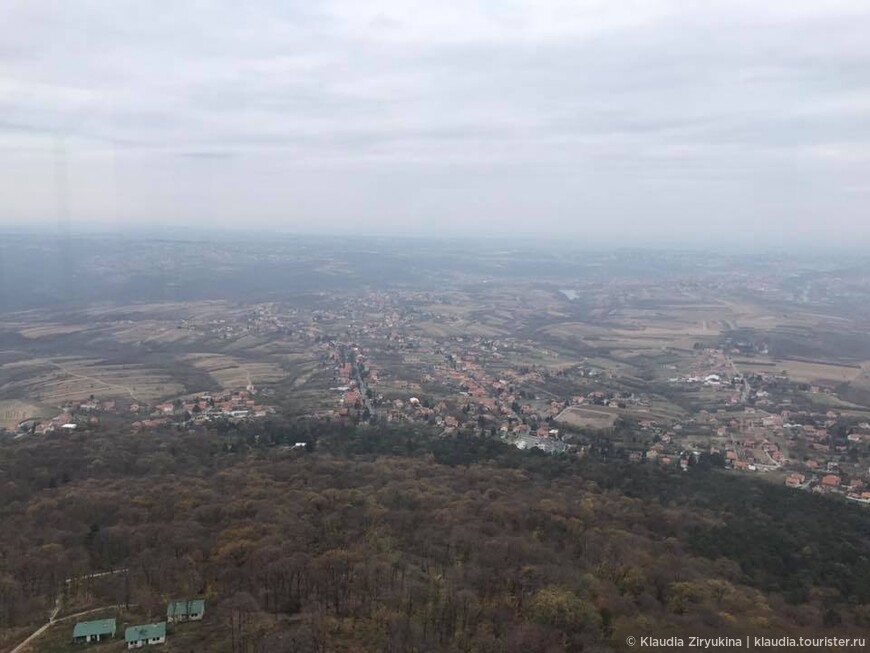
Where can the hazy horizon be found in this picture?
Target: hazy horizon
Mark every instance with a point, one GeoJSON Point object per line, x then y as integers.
{"type": "Point", "coordinates": [645, 123]}
{"type": "Point", "coordinates": [830, 254]}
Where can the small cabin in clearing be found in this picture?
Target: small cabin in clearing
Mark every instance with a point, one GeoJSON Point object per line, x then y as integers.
{"type": "Point", "coordinates": [94, 631]}
{"type": "Point", "coordinates": [186, 610]}
{"type": "Point", "coordinates": [147, 635]}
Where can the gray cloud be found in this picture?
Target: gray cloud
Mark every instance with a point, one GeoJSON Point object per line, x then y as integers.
{"type": "Point", "coordinates": [660, 119]}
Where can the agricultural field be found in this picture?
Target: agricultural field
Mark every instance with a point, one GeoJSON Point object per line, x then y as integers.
{"type": "Point", "coordinates": [629, 339]}
{"type": "Point", "coordinates": [13, 412]}
{"type": "Point", "coordinates": [54, 381]}
{"type": "Point", "coordinates": [588, 418]}
{"type": "Point", "coordinates": [435, 329]}
{"type": "Point", "coordinates": [861, 383]}
{"type": "Point", "coordinates": [51, 330]}
{"type": "Point", "coordinates": [819, 372]}
{"type": "Point", "coordinates": [231, 372]}
{"type": "Point", "coordinates": [803, 371]}
{"type": "Point", "coordinates": [154, 333]}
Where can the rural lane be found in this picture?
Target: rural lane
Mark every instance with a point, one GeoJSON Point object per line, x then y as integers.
{"type": "Point", "coordinates": [52, 619]}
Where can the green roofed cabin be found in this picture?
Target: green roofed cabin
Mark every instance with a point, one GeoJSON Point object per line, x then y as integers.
{"type": "Point", "coordinates": [187, 610]}
{"type": "Point", "coordinates": [147, 635]}
{"type": "Point", "coordinates": [94, 631]}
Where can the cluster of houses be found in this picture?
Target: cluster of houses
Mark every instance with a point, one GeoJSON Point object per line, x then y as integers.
{"type": "Point", "coordinates": [75, 415]}
{"type": "Point", "coordinates": [63, 423]}
{"type": "Point", "coordinates": [239, 404]}
{"type": "Point", "coordinates": [854, 490]}
{"type": "Point", "coordinates": [260, 319]}
{"type": "Point", "coordinates": [91, 632]}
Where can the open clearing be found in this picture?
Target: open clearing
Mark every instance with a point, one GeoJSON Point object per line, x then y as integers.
{"type": "Point", "coordinates": [154, 332]}
{"type": "Point", "coordinates": [458, 328]}
{"type": "Point", "coordinates": [56, 380]}
{"type": "Point", "coordinates": [588, 418]}
{"type": "Point", "coordinates": [803, 371]}
{"type": "Point", "coordinates": [230, 372]}
{"type": "Point", "coordinates": [48, 330]}
{"type": "Point", "coordinates": [13, 412]}
{"type": "Point", "coordinates": [631, 338]}
{"type": "Point", "coordinates": [807, 371]}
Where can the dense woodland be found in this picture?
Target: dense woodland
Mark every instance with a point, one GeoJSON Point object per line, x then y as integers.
{"type": "Point", "coordinates": [389, 540]}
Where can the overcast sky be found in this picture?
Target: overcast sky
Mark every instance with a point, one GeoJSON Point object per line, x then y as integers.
{"type": "Point", "coordinates": [651, 120]}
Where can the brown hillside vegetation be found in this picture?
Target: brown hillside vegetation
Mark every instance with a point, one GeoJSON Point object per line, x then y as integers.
{"type": "Point", "coordinates": [395, 545]}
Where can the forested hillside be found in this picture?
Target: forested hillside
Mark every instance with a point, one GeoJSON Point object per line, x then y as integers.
{"type": "Point", "coordinates": [377, 540]}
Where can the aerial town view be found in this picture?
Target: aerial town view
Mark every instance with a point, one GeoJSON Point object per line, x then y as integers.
{"type": "Point", "coordinates": [760, 372]}
{"type": "Point", "coordinates": [661, 375]}
{"type": "Point", "coordinates": [379, 326]}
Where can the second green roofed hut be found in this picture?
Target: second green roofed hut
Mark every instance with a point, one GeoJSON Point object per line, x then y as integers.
{"type": "Point", "coordinates": [185, 610]}
{"type": "Point", "coordinates": [145, 635]}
